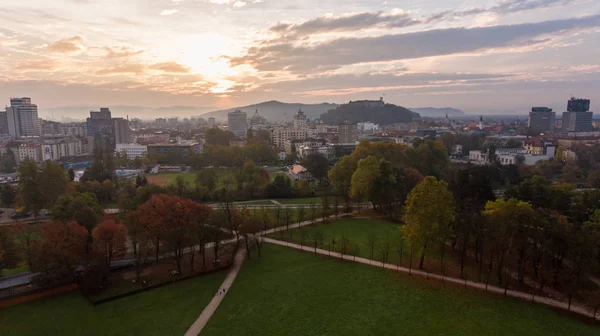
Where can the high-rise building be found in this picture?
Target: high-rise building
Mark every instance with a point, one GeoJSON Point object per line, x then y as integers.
{"type": "Point", "coordinates": [541, 119]}
{"type": "Point", "coordinates": [347, 133]}
{"type": "Point", "coordinates": [122, 131]}
{"type": "Point", "coordinates": [237, 123]}
{"type": "Point", "coordinates": [161, 122]}
{"type": "Point", "coordinates": [3, 123]}
{"type": "Point", "coordinates": [101, 128]}
{"type": "Point", "coordinates": [578, 117]}
{"type": "Point", "coordinates": [22, 118]}
{"type": "Point", "coordinates": [300, 120]}
{"type": "Point", "coordinates": [212, 122]}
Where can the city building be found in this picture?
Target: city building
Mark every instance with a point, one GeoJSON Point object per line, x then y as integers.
{"type": "Point", "coordinates": [297, 172]}
{"type": "Point", "coordinates": [280, 134]}
{"type": "Point", "coordinates": [122, 131]}
{"type": "Point", "coordinates": [31, 151]}
{"type": "Point", "coordinates": [161, 122]}
{"type": "Point", "coordinates": [132, 150]}
{"type": "Point", "coordinates": [368, 103]}
{"type": "Point", "coordinates": [290, 145]}
{"type": "Point", "coordinates": [22, 118]}
{"type": "Point", "coordinates": [101, 128]}
{"type": "Point", "coordinates": [237, 123]}
{"type": "Point", "coordinates": [173, 121]}
{"type": "Point", "coordinates": [347, 132]}
{"type": "Point", "coordinates": [3, 123]}
{"type": "Point", "coordinates": [56, 148]}
{"type": "Point", "coordinates": [510, 156]}
{"type": "Point", "coordinates": [367, 127]}
{"type": "Point", "coordinates": [212, 123]}
{"type": "Point", "coordinates": [73, 129]}
{"type": "Point", "coordinates": [300, 120]}
{"type": "Point", "coordinates": [50, 127]}
{"type": "Point", "coordinates": [578, 117]}
{"type": "Point", "coordinates": [541, 120]}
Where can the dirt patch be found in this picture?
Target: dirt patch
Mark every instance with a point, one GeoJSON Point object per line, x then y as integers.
{"type": "Point", "coordinates": [37, 296]}
{"type": "Point", "coordinates": [158, 180]}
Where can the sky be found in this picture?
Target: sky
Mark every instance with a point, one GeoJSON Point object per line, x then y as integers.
{"type": "Point", "coordinates": [477, 55]}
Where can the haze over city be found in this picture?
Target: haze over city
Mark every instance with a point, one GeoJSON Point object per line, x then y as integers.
{"type": "Point", "coordinates": [479, 56]}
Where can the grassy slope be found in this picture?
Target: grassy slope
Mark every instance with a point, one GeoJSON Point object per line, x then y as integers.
{"type": "Point", "coordinates": [21, 268]}
{"type": "Point", "coordinates": [170, 177]}
{"type": "Point", "coordinates": [168, 310]}
{"type": "Point", "coordinates": [287, 292]}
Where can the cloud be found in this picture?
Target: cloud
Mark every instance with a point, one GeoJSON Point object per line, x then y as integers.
{"type": "Point", "coordinates": [168, 12]}
{"type": "Point", "coordinates": [121, 51]}
{"type": "Point", "coordinates": [68, 45]}
{"type": "Point", "coordinates": [353, 22]}
{"type": "Point", "coordinates": [239, 4]}
{"type": "Point", "coordinates": [333, 54]}
{"type": "Point", "coordinates": [124, 68]}
{"type": "Point", "coordinates": [36, 65]}
{"type": "Point", "coordinates": [170, 67]}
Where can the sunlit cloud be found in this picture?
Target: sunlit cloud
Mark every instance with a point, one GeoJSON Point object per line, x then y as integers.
{"type": "Point", "coordinates": [168, 12]}
{"type": "Point", "coordinates": [68, 45]}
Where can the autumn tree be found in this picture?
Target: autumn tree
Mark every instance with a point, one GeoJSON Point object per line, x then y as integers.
{"type": "Point", "coordinates": [9, 253]}
{"type": "Point", "coordinates": [60, 250]}
{"type": "Point", "coordinates": [317, 165]}
{"type": "Point", "coordinates": [53, 182]}
{"type": "Point", "coordinates": [109, 239]}
{"type": "Point", "coordinates": [429, 215]}
{"type": "Point", "coordinates": [30, 191]}
{"type": "Point", "coordinates": [140, 241]}
{"type": "Point", "coordinates": [363, 178]}
{"type": "Point", "coordinates": [340, 176]}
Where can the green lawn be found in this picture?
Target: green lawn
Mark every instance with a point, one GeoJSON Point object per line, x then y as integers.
{"type": "Point", "coordinates": [21, 268]}
{"type": "Point", "coordinates": [168, 310]}
{"type": "Point", "coordinates": [288, 292]}
{"type": "Point", "coordinates": [262, 202]}
{"type": "Point", "coordinates": [357, 231]}
{"type": "Point", "coordinates": [306, 200]}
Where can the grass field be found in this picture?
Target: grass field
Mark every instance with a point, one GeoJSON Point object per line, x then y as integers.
{"type": "Point", "coordinates": [307, 200]}
{"type": "Point", "coordinates": [21, 268]}
{"type": "Point", "coordinates": [288, 292]}
{"type": "Point", "coordinates": [168, 310]}
{"type": "Point", "coordinates": [165, 179]}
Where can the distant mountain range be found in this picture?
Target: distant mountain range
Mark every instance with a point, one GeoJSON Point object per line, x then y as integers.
{"type": "Point", "coordinates": [275, 110]}
{"type": "Point", "coordinates": [433, 112]}
{"type": "Point", "coordinates": [142, 112]}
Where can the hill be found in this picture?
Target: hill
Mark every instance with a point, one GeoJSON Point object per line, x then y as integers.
{"type": "Point", "coordinates": [374, 111]}
{"type": "Point", "coordinates": [142, 112]}
{"type": "Point", "coordinates": [433, 112]}
{"type": "Point", "coordinates": [275, 110]}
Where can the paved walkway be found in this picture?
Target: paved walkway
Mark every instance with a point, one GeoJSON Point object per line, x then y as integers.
{"type": "Point", "coordinates": [481, 286]}
{"type": "Point", "coordinates": [210, 309]}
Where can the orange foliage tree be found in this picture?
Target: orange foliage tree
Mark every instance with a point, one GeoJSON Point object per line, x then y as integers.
{"type": "Point", "coordinates": [59, 252]}
{"type": "Point", "coordinates": [109, 239]}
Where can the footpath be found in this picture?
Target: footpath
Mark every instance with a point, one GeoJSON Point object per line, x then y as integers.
{"type": "Point", "coordinates": [210, 309]}
{"type": "Point", "coordinates": [480, 286]}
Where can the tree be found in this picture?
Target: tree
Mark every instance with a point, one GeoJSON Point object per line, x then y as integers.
{"type": "Point", "coordinates": [508, 220]}
{"type": "Point", "coordinates": [82, 208]}
{"type": "Point", "coordinates": [8, 162]}
{"type": "Point", "coordinates": [593, 178]}
{"type": "Point", "coordinates": [140, 242]}
{"type": "Point", "coordinates": [280, 187]}
{"type": "Point", "coordinates": [8, 194]}
{"type": "Point", "coordinates": [207, 177]}
{"type": "Point", "coordinates": [363, 178]}
{"type": "Point", "coordinates": [371, 243]}
{"type": "Point", "coordinates": [341, 176]}
{"type": "Point", "coordinates": [429, 215]}
{"type": "Point", "coordinates": [218, 137]}
{"type": "Point", "coordinates": [60, 251]}
{"type": "Point", "coordinates": [317, 165]}
{"type": "Point", "coordinates": [29, 187]}
{"type": "Point", "coordinates": [71, 174]}
{"type": "Point", "coordinates": [9, 256]}
{"type": "Point", "coordinates": [53, 182]}
{"type": "Point", "coordinates": [25, 237]}
{"type": "Point", "coordinates": [109, 239]}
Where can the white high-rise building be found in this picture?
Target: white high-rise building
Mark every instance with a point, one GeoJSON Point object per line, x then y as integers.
{"type": "Point", "coordinates": [22, 117]}
{"type": "Point", "coordinates": [237, 123]}
{"type": "Point", "coordinates": [300, 120]}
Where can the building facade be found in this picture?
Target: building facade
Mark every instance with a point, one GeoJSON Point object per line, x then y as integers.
{"type": "Point", "coordinates": [347, 132]}
{"type": "Point", "coordinates": [280, 134]}
{"type": "Point", "coordinates": [132, 150]}
{"type": "Point", "coordinates": [541, 120]}
{"type": "Point", "coordinates": [300, 120]}
{"type": "Point", "coordinates": [237, 123]}
{"type": "Point", "coordinates": [22, 118]}
{"type": "Point", "coordinates": [31, 151]}
{"type": "Point", "coordinates": [122, 131]}
{"type": "Point", "coordinates": [577, 121]}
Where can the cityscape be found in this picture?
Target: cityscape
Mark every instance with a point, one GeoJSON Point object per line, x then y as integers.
{"type": "Point", "coordinates": [259, 167]}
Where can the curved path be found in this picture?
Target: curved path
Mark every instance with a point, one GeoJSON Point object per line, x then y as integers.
{"type": "Point", "coordinates": [210, 309]}
{"type": "Point", "coordinates": [481, 286]}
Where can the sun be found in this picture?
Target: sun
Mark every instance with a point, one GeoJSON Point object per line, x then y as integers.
{"type": "Point", "coordinates": [203, 54]}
